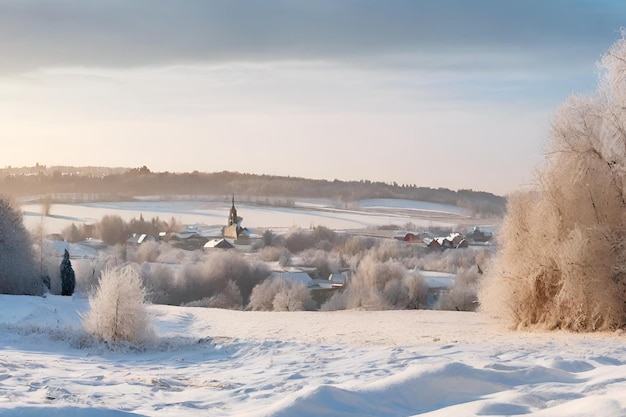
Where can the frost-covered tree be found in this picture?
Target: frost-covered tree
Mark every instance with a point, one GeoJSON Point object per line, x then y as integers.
{"type": "Point", "coordinates": [562, 262]}
{"type": "Point", "coordinates": [68, 278]}
{"type": "Point", "coordinates": [72, 234]}
{"type": "Point", "coordinates": [281, 294]}
{"type": "Point", "coordinates": [117, 309]}
{"type": "Point", "coordinates": [18, 270]}
{"type": "Point", "coordinates": [228, 297]}
{"type": "Point", "coordinates": [380, 285]}
{"type": "Point", "coordinates": [113, 230]}
{"type": "Point", "coordinates": [195, 281]}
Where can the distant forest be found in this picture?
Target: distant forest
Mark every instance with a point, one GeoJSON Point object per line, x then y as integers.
{"type": "Point", "coordinates": [124, 183]}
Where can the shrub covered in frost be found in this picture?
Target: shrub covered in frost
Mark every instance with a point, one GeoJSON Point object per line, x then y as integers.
{"type": "Point", "coordinates": [117, 309]}
{"type": "Point", "coordinates": [281, 294]}
{"type": "Point", "coordinates": [380, 286]}
{"type": "Point", "coordinates": [562, 262]}
{"type": "Point", "coordinates": [208, 278]}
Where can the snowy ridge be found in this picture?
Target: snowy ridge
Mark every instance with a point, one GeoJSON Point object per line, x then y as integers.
{"type": "Point", "coordinates": [352, 363]}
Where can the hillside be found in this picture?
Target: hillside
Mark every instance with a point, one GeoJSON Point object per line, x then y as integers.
{"type": "Point", "coordinates": [352, 363]}
{"type": "Point", "coordinates": [122, 184]}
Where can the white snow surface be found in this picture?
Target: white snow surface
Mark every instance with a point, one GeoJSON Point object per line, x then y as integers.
{"type": "Point", "coordinates": [425, 206]}
{"type": "Point", "coordinates": [210, 362]}
{"type": "Point", "coordinates": [303, 214]}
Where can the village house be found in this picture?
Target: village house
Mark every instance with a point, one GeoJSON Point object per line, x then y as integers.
{"type": "Point", "coordinates": [476, 234]}
{"type": "Point", "coordinates": [452, 241]}
{"type": "Point", "coordinates": [405, 236]}
{"type": "Point", "coordinates": [218, 244]}
{"type": "Point", "coordinates": [139, 238]}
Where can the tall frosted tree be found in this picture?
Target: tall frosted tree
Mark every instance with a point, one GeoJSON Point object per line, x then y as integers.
{"type": "Point", "coordinates": [562, 261]}
{"type": "Point", "coordinates": [18, 269]}
{"type": "Point", "coordinates": [68, 278]}
{"type": "Point", "coordinates": [118, 311]}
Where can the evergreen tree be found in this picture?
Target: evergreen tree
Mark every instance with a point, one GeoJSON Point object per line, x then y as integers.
{"type": "Point", "coordinates": [68, 279]}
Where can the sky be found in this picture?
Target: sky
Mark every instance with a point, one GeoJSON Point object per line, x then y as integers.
{"type": "Point", "coordinates": [452, 93]}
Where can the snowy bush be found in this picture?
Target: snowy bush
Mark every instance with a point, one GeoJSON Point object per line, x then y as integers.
{"type": "Point", "coordinates": [281, 295]}
{"type": "Point", "coordinates": [18, 271]}
{"type": "Point", "coordinates": [147, 252]}
{"type": "Point", "coordinates": [380, 286]}
{"type": "Point", "coordinates": [113, 230]}
{"type": "Point", "coordinates": [293, 296]}
{"type": "Point", "coordinates": [452, 261]}
{"type": "Point", "coordinates": [338, 301]}
{"type": "Point", "coordinates": [464, 295]}
{"type": "Point", "coordinates": [157, 278]}
{"type": "Point", "coordinates": [170, 255]}
{"type": "Point", "coordinates": [382, 250]}
{"type": "Point", "coordinates": [117, 309]}
{"type": "Point", "coordinates": [354, 245]}
{"type": "Point", "coordinates": [48, 260]}
{"type": "Point", "coordinates": [562, 262]}
{"type": "Point", "coordinates": [269, 254]}
{"type": "Point", "coordinates": [269, 238]}
{"type": "Point", "coordinates": [390, 249]}
{"type": "Point", "coordinates": [324, 263]}
{"type": "Point", "coordinates": [298, 240]}
{"type": "Point", "coordinates": [284, 259]}
{"type": "Point", "coordinates": [229, 297]}
{"type": "Point", "coordinates": [74, 234]}
{"type": "Point", "coordinates": [262, 297]}
{"type": "Point", "coordinates": [319, 237]}
{"type": "Point", "coordinates": [209, 277]}
{"type": "Point", "coordinates": [88, 273]}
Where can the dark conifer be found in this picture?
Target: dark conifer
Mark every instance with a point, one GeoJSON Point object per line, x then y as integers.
{"type": "Point", "coordinates": [68, 279]}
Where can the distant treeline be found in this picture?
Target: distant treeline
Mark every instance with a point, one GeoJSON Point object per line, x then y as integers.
{"type": "Point", "coordinates": [123, 184]}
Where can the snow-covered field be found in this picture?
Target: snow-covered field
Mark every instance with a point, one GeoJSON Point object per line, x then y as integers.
{"type": "Point", "coordinates": [210, 362]}
{"type": "Point", "coordinates": [305, 213]}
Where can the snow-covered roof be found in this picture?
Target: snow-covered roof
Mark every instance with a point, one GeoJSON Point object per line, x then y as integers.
{"type": "Point", "coordinates": [140, 238]}
{"type": "Point", "coordinates": [218, 244]}
{"type": "Point", "coordinates": [186, 235]}
{"type": "Point", "coordinates": [295, 276]}
{"type": "Point", "coordinates": [322, 284]}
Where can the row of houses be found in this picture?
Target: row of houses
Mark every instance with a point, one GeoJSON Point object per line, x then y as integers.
{"type": "Point", "coordinates": [452, 241]}
{"type": "Point", "coordinates": [187, 240]}
{"type": "Point", "coordinates": [475, 235]}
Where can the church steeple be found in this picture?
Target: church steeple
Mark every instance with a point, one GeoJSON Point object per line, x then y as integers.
{"type": "Point", "coordinates": [233, 229]}
{"type": "Point", "coordinates": [232, 217]}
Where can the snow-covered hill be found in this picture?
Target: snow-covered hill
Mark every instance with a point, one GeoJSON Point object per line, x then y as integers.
{"type": "Point", "coordinates": [346, 363]}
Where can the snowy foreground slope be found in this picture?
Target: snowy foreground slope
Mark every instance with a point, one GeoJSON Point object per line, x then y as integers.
{"type": "Point", "coordinates": [210, 362]}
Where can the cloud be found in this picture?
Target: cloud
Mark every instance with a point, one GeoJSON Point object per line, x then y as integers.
{"type": "Point", "coordinates": [401, 78]}
{"type": "Point", "coordinates": [37, 34]}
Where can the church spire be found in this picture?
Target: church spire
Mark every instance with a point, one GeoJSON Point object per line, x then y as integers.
{"type": "Point", "coordinates": [232, 218]}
